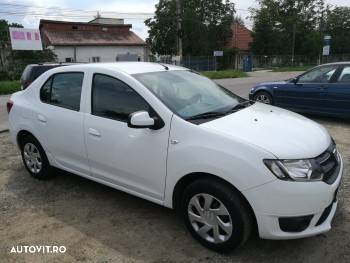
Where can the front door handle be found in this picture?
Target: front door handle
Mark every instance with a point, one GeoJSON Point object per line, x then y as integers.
{"type": "Point", "coordinates": [41, 118]}
{"type": "Point", "coordinates": [94, 132]}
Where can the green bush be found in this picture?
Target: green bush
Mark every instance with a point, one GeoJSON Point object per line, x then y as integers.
{"type": "Point", "coordinates": [9, 87]}
{"type": "Point", "coordinates": [222, 74]}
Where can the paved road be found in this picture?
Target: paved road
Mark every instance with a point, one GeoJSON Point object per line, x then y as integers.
{"type": "Point", "coordinates": [240, 86]}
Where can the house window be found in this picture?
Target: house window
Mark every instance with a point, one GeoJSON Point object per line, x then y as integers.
{"type": "Point", "coordinates": [69, 60]}
{"type": "Point", "coordinates": [95, 59]}
{"type": "Point", "coordinates": [74, 27]}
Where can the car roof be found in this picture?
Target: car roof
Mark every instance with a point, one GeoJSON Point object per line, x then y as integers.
{"type": "Point", "coordinates": [337, 63]}
{"type": "Point", "coordinates": [129, 67]}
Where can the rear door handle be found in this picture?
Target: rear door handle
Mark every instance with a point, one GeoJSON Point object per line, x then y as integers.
{"type": "Point", "coordinates": [41, 118]}
{"type": "Point", "coordinates": [94, 132]}
{"type": "Point", "coordinates": [322, 87]}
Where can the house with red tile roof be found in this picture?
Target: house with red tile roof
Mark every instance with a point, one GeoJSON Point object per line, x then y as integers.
{"type": "Point", "coordinates": [100, 40]}
{"type": "Point", "coordinates": [240, 38]}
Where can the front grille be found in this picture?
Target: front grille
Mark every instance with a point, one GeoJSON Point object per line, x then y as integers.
{"type": "Point", "coordinates": [330, 164]}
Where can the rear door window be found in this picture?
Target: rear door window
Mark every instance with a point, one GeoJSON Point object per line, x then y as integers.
{"type": "Point", "coordinates": [63, 90]}
{"type": "Point", "coordinates": [344, 77]}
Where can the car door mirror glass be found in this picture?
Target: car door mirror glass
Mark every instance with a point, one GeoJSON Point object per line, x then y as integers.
{"type": "Point", "coordinates": [140, 119]}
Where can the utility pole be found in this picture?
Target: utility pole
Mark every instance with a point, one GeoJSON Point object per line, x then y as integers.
{"type": "Point", "coordinates": [179, 34]}
{"type": "Point", "coordinates": [294, 26]}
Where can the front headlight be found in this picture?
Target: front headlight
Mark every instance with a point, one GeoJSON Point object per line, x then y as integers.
{"type": "Point", "coordinates": [295, 170]}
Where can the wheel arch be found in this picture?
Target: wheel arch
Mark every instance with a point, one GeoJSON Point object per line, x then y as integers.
{"type": "Point", "coordinates": [190, 178]}
{"type": "Point", "coordinates": [264, 90]}
{"type": "Point", "coordinates": [21, 135]}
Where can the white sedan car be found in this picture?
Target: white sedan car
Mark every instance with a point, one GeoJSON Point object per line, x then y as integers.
{"type": "Point", "coordinates": [174, 137]}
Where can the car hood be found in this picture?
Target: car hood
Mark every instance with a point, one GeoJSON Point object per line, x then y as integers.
{"type": "Point", "coordinates": [272, 83]}
{"type": "Point", "coordinates": [285, 134]}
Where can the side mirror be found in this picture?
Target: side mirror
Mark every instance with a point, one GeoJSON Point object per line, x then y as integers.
{"type": "Point", "coordinates": [294, 80]}
{"type": "Point", "coordinates": [140, 119]}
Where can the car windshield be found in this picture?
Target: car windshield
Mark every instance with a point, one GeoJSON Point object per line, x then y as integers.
{"type": "Point", "coordinates": [191, 95]}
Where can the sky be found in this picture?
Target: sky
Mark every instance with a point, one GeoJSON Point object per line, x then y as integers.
{"type": "Point", "coordinates": [24, 13]}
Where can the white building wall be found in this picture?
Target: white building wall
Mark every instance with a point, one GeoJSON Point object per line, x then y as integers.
{"type": "Point", "coordinates": [105, 53]}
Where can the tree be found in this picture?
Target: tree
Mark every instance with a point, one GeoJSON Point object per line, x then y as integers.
{"type": "Point", "coordinates": [205, 24]}
{"type": "Point", "coordinates": [239, 20]}
{"type": "Point", "coordinates": [337, 25]}
{"type": "Point", "coordinates": [4, 31]}
{"type": "Point", "coordinates": [98, 15]}
{"type": "Point", "coordinates": [277, 22]}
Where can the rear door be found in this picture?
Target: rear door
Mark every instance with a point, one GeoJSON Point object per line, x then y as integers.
{"type": "Point", "coordinates": [338, 93]}
{"type": "Point", "coordinates": [59, 120]}
{"type": "Point", "coordinates": [309, 93]}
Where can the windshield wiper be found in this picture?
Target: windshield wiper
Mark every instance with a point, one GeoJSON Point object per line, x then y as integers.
{"type": "Point", "coordinates": [240, 106]}
{"type": "Point", "coordinates": [214, 114]}
{"type": "Point", "coordinates": [207, 115]}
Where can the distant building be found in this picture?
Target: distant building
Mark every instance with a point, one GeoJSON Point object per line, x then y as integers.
{"type": "Point", "coordinates": [241, 38]}
{"type": "Point", "coordinates": [100, 40]}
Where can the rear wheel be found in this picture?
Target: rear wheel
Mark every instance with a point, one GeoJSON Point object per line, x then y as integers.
{"type": "Point", "coordinates": [216, 215]}
{"type": "Point", "coordinates": [264, 97]}
{"type": "Point", "coordinates": [34, 158]}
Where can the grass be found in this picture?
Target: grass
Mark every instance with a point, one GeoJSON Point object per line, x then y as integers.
{"type": "Point", "coordinates": [285, 69]}
{"type": "Point", "coordinates": [9, 87]}
{"type": "Point", "coordinates": [223, 74]}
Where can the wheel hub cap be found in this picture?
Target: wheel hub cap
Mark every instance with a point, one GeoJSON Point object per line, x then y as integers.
{"type": "Point", "coordinates": [210, 218]}
{"type": "Point", "coordinates": [32, 158]}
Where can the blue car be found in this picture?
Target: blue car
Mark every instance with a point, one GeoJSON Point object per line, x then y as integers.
{"type": "Point", "coordinates": [323, 90]}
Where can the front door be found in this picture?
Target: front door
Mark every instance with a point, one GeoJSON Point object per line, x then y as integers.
{"type": "Point", "coordinates": [133, 160]}
{"type": "Point", "coordinates": [310, 92]}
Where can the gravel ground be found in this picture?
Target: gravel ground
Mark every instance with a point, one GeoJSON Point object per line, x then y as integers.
{"type": "Point", "coordinates": [96, 223]}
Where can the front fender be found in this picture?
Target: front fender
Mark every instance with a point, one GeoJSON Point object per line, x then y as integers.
{"type": "Point", "coordinates": [200, 150]}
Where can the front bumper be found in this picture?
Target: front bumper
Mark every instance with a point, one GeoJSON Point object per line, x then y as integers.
{"type": "Point", "coordinates": [289, 210]}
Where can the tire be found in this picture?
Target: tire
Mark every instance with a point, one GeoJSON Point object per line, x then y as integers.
{"type": "Point", "coordinates": [202, 201]}
{"type": "Point", "coordinates": [264, 97]}
{"type": "Point", "coordinates": [34, 158]}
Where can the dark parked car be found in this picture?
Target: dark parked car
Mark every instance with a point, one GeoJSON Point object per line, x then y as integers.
{"type": "Point", "coordinates": [33, 71]}
{"type": "Point", "coordinates": [322, 90]}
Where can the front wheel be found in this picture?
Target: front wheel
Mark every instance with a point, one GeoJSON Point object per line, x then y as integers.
{"type": "Point", "coordinates": [34, 158]}
{"type": "Point", "coordinates": [264, 97]}
{"type": "Point", "coordinates": [216, 215]}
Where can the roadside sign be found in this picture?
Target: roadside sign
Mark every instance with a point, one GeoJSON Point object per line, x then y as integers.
{"type": "Point", "coordinates": [325, 51]}
{"type": "Point", "coordinates": [25, 39]}
{"type": "Point", "coordinates": [218, 53]}
{"type": "Point", "coordinates": [327, 40]}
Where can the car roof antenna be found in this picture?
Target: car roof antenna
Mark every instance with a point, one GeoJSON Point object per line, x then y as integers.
{"type": "Point", "coordinates": [163, 66]}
